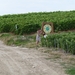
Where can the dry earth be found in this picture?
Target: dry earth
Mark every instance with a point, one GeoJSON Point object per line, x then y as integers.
{"type": "Point", "coordinates": [26, 61]}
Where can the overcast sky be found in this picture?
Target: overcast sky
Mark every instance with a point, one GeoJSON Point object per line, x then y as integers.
{"type": "Point", "coordinates": [25, 6]}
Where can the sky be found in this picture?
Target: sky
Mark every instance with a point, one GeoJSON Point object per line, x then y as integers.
{"type": "Point", "coordinates": [29, 6]}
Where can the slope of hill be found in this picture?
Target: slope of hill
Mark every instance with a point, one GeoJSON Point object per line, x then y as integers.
{"type": "Point", "coordinates": [30, 22]}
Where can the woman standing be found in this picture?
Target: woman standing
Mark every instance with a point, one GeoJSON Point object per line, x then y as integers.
{"type": "Point", "coordinates": [38, 37]}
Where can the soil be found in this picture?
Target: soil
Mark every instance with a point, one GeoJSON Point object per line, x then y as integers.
{"type": "Point", "coordinates": [26, 61]}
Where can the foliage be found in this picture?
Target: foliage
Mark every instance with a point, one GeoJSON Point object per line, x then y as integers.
{"type": "Point", "coordinates": [71, 71]}
{"type": "Point", "coordinates": [31, 22]}
{"type": "Point", "coordinates": [65, 41]}
{"type": "Point", "coordinates": [17, 40]}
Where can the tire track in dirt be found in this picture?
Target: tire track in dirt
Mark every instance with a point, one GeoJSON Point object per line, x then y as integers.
{"type": "Point", "coordinates": [13, 66]}
{"type": "Point", "coordinates": [35, 65]}
{"type": "Point", "coordinates": [24, 61]}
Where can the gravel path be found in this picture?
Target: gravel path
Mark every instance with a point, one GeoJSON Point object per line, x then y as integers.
{"type": "Point", "coordinates": [25, 61]}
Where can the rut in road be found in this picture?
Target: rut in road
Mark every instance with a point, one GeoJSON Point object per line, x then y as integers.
{"type": "Point", "coordinates": [25, 61]}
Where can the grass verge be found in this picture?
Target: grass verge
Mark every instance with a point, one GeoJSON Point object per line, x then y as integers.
{"type": "Point", "coordinates": [18, 40]}
{"type": "Point", "coordinates": [71, 70]}
{"type": "Point", "coordinates": [66, 60]}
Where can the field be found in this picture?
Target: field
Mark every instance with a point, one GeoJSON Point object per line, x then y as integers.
{"type": "Point", "coordinates": [19, 30]}
{"type": "Point", "coordinates": [31, 22]}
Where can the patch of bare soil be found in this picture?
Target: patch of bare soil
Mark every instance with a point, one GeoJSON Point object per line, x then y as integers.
{"type": "Point", "coordinates": [26, 61]}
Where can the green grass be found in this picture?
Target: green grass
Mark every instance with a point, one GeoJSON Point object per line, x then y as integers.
{"type": "Point", "coordinates": [18, 40]}
{"type": "Point", "coordinates": [71, 71]}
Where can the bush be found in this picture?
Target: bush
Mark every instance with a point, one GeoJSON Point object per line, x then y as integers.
{"type": "Point", "coordinates": [65, 41]}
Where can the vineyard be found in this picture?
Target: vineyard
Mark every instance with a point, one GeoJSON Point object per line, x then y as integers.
{"type": "Point", "coordinates": [62, 41]}
{"type": "Point", "coordinates": [31, 22]}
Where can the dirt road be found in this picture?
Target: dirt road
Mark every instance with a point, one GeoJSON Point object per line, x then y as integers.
{"type": "Point", "coordinates": [25, 61]}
